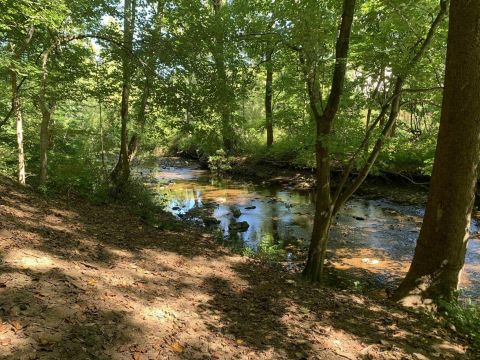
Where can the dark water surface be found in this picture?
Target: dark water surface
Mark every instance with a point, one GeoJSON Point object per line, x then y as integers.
{"type": "Point", "coordinates": [371, 243]}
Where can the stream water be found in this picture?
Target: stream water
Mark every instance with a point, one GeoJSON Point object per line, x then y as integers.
{"type": "Point", "coordinates": [371, 243]}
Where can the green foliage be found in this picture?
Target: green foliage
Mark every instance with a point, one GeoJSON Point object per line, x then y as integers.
{"type": "Point", "coordinates": [466, 320]}
{"type": "Point", "coordinates": [358, 286]}
{"type": "Point", "coordinates": [197, 65]}
{"type": "Point", "coordinates": [147, 204]}
{"type": "Point", "coordinates": [268, 249]}
{"type": "Point", "coordinates": [248, 252]}
{"type": "Point", "coordinates": [220, 162]}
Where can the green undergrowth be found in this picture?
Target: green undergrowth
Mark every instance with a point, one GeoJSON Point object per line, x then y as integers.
{"type": "Point", "coordinates": [136, 196]}
{"type": "Point", "coordinates": [146, 204]}
{"type": "Point", "coordinates": [465, 319]}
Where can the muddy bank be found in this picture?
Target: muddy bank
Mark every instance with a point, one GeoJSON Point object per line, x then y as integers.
{"type": "Point", "coordinates": [80, 281]}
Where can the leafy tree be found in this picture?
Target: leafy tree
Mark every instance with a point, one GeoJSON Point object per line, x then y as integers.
{"type": "Point", "coordinates": [440, 252]}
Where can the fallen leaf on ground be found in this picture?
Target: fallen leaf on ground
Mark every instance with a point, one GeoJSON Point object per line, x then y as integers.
{"type": "Point", "coordinates": [176, 347]}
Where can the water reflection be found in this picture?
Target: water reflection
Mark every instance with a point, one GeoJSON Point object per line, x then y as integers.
{"type": "Point", "coordinates": [372, 239]}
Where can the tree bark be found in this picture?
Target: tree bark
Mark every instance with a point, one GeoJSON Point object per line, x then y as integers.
{"type": "Point", "coordinates": [121, 172]}
{"type": "Point", "coordinates": [440, 251]}
{"type": "Point", "coordinates": [268, 98]}
{"type": "Point", "coordinates": [373, 96]}
{"type": "Point", "coordinates": [224, 95]}
{"type": "Point", "coordinates": [16, 103]}
{"type": "Point", "coordinates": [44, 125]}
{"type": "Point", "coordinates": [16, 106]}
{"type": "Point", "coordinates": [136, 139]}
{"type": "Point", "coordinates": [46, 108]}
{"type": "Point", "coordinates": [323, 206]}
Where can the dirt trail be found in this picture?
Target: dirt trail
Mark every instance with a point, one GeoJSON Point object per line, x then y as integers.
{"type": "Point", "coordinates": [94, 282]}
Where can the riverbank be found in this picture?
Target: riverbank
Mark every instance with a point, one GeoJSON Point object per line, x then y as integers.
{"type": "Point", "coordinates": [84, 281]}
{"type": "Point", "coordinates": [371, 243]}
{"type": "Point", "coordinates": [401, 188]}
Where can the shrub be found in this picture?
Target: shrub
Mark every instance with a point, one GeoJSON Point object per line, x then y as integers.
{"type": "Point", "coordinates": [466, 320]}
{"type": "Point", "coordinates": [220, 162]}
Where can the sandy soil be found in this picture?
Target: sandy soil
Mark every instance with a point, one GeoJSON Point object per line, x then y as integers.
{"type": "Point", "coordinates": [79, 281]}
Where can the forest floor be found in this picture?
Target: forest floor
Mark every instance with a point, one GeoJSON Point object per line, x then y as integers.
{"type": "Point", "coordinates": [81, 281]}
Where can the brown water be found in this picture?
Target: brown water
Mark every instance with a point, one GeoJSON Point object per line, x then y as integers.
{"type": "Point", "coordinates": [371, 244]}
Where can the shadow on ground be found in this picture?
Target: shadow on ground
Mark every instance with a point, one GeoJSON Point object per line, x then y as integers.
{"type": "Point", "coordinates": [94, 282]}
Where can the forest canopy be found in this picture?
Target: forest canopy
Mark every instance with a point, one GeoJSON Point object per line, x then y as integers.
{"type": "Point", "coordinates": [208, 76]}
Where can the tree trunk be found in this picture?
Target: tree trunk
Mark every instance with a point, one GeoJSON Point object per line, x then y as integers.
{"type": "Point", "coordinates": [323, 206]}
{"type": "Point", "coordinates": [268, 98]}
{"type": "Point", "coordinates": [224, 95]}
{"type": "Point", "coordinates": [373, 96]}
{"type": "Point", "coordinates": [323, 210]}
{"type": "Point", "coordinates": [121, 172]}
{"type": "Point", "coordinates": [16, 106]}
{"type": "Point", "coordinates": [16, 103]}
{"type": "Point", "coordinates": [440, 252]}
{"type": "Point", "coordinates": [136, 139]}
{"type": "Point", "coordinates": [44, 125]}
{"type": "Point", "coordinates": [102, 141]}
{"type": "Point", "coordinates": [46, 108]}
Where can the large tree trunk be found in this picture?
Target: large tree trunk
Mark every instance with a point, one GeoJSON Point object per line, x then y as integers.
{"type": "Point", "coordinates": [16, 105]}
{"type": "Point", "coordinates": [121, 172]}
{"type": "Point", "coordinates": [440, 252]}
{"type": "Point", "coordinates": [268, 98]}
{"type": "Point", "coordinates": [323, 206]}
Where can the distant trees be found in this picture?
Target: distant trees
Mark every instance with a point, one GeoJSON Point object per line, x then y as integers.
{"type": "Point", "coordinates": [440, 251]}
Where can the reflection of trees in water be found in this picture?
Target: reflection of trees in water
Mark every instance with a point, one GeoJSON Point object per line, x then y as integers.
{"type": "Point", "coordinates": [273, 218]}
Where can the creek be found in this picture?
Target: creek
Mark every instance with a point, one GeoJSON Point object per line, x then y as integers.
{"type": "Point", "coordinates": [371, 243]}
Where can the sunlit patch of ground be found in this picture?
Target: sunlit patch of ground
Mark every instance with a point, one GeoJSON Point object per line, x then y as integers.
{"type": "Point", "coordinates": [96, 283]}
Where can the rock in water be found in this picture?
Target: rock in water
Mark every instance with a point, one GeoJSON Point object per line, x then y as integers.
{"type": "Point", "coordinates": [239, 226]}
{"type": "Point", "coordinates": [236, 212]}
{"type": "Point", "coordinates": [210, 221]}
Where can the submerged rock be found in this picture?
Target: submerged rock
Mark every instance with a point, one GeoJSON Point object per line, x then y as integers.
{"type": "Point", "coordinates": [236, 212]}
{"type": "Point", "coordinates": [239, 226]}
{"type": "Point", "coordinates": [210, 221]}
